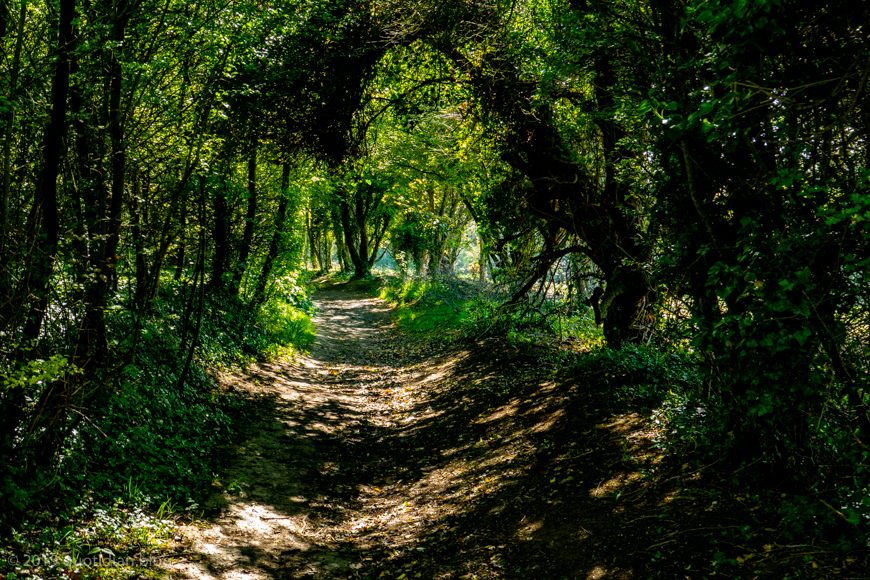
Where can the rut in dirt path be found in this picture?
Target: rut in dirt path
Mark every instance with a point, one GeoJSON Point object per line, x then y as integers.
{"type": "Point", "coordinates": [294, 488]}
{"type": "Point", "coordinates": [382, 456]}
{"type": "Point", "coordinates": [379, 456]}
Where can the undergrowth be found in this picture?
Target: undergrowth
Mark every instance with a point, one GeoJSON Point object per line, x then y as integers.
{"type": "Point", "coordinates": [829, 497]}
{"type": "Point", "coordinates": [453, 309]}
{"type": "Point", "coordinates": [422, 306]}
{"type": "Point", "coordinates": [111, 540]}
{"type": "Point", "coordinates": [148, 443]}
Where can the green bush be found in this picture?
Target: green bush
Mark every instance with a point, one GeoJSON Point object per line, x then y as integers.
{"type": "Point", "coordinates": [642, 375]}
{"type": "Point", "coordinates": [144, 425]}
{"type": "Point", "coordinates": [456, 309]}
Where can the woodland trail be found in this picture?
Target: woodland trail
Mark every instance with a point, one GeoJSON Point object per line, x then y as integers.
{"type": "Point", "coordinates": [377, 458]}
{"type": "Point", "coordinates": [381, 456]}
{"type": "Point", "coordinates": [287, 506]}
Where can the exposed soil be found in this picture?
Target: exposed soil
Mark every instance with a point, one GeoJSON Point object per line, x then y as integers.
{"type": "Point", "coordinates": [380, 456]}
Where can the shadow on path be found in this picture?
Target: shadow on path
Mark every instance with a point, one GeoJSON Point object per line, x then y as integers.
{"type": "Point", "coordinates": [374, 458]}
{"type": "Point", "coordinates": [287, 486]}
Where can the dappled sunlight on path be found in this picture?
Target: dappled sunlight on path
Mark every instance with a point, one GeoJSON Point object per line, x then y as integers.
{"type": "Point", "coordinates": [369, 462]}
{"type": "Point", "coordinates": [382, 456]}
{"type": "Point", "coordinates": [284, 491]}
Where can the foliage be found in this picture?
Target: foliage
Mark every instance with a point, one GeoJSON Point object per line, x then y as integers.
{"type": "Point", "coordinates": [642, 375]}
{"type": "Point", "coordinates": [760, 206]}
{"type": "Point", "coordinates": [454, 309]}
{"type": "Point", "coordinates": [113, 541]}
{"type": "Point", "coordinates": [692, 175]}
{"type": "Point", "coordinates": [421, 310]}
{"type": "Point", "coordinates": [165, 434]}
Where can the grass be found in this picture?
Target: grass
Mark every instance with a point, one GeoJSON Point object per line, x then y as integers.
{"type": "Point", "coordinates": [421, 308]}
{"type": "Point", "coordinates": [451, 309]}
{"type": "Point", "coordinates": [430, 318]}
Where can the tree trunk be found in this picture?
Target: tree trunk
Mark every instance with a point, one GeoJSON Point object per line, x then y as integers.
{"type": "Point", "coordinates": [260, 293]}
{"type": "Point", "coordinates": [221, 239]}
{"type": "Point", "coordinates": [199, 272]}
{"type": "Point", "coordinates": [360, 263]}
{"type": "Point", "coordinates": [138, 247]}
{"type": "Point", "coordinates": [423, 267]}
{"type": "Point", "coordinates": [53, 403]}
{"type": "Point", "coordinates": [340, 249]}
{"type": "Point", "coordinates": [379, 236]}
{"type": "Point", "coordinates": [250, 218]}
{"type": "Point", "coordinates": [10, 118]}
{"type": "Point", "coordinates": [92, 346]}
{"type": "Point", "coordinates": [198, 278]}
{"type": "Point", "coordinates": [314, 246]}
{"type": "Point", "coordinates": [483, 260]}
{"type": "Point", "coordinates": [180, 253]}
{"type": "Point", "coordinates": [325, 250]}
{"type": "Point", "coordinates": [362, 234]}
{"type": "Point", "coordinates": [45, 201]}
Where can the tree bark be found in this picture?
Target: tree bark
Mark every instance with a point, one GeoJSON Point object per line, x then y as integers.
{"type": "Point", "coordinates": [46, 205]}
{"type": "Point", "coordinates": [482, 260]}
{"type": "Point", "coordinates": [92, 346]}
{"type": "Point", "coordinates": [260, 293]}
{"type": "Point", "coordinates": [199, 272]}
{"type": "Point", "coordinates": [360, 264]}
{"type": "Point", "coordinates": [135, 210]}
{"type": "Point", "coordinates": [221, 239]}
{"type": "Point", "coordinates": [54, 141]}
{"type": "Point", "coordinates": [198, 278]}
{"type": "Point", "coordinates": [379, 236]}
{"type": "Point", "coordinates": [340, 249]}
{"type": "Point", "coordinates": [314, 227]}
{"type": "Point", "coordinates": [250, 218]}
{"type": "Point", "coordinates": [10, 118]}
{"type": "Point", "coordinates": [180, 253]}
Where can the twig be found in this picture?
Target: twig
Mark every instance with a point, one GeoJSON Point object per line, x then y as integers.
{"type": "Point", "coordinates": [89, 422]}
{"type": "Point", "coordinates": [640, 518]}
{"type": "Point", "coordinates": [750, 464]}
{"type": "Point", "coordinates": [175, 555]}
{"type": "Point", "coordinates": [836, 511]}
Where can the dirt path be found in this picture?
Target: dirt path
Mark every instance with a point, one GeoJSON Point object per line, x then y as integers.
{"type": "Point", "coordinates": [374, 458]}
{"type": "Point", "coordinates": [285, 505]}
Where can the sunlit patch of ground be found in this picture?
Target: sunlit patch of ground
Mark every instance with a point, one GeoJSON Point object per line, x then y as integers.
{"type": "Point", "coordinates": [379, 456]}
